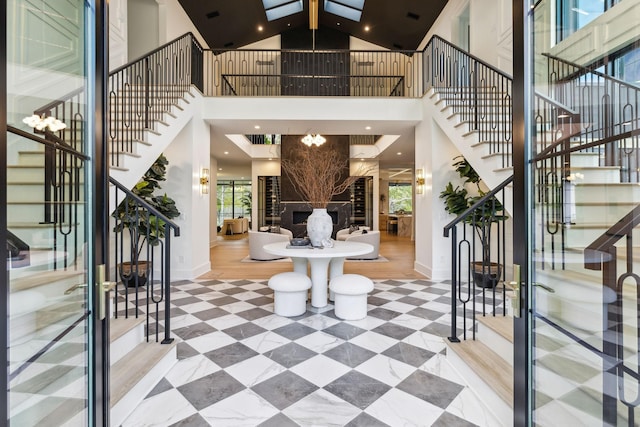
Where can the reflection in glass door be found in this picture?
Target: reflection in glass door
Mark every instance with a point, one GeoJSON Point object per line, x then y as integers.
{"type": "Point", "coordinates": [50, 223]}
{"type": "Point", "coordinates": [585, 225]}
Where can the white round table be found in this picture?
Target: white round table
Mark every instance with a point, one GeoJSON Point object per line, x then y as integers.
{"type": "Point", "coordinates": [320, 259]}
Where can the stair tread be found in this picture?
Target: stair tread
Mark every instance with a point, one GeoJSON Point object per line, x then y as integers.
{"type": "Point", "coordinates": [502, 325]}
{"type": "Point", "coordinates": [493, 369]}
{"type": "Point", "coordinates": [43, 278]}
{"type": "Point", "coordinates": [120, 326]}
{"type": "Point", "coordinates": [128, 371]}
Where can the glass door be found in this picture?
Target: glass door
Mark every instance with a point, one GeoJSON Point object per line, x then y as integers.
{"type": "Point", "coordinates": [584, 208]}
{"type": "Point", "coordinates": [55, 348]}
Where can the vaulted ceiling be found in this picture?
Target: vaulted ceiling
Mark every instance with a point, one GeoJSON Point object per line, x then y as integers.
{"type": "Point", "coordinates": [394, 24]}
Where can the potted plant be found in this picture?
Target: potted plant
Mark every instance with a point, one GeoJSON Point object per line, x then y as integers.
{"type": "Point", "coordinates": [485, 273]}
{"type": "Point", "coordinates": [144, 228]}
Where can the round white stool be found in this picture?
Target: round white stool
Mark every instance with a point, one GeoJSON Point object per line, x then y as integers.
{"type": "Point", "coordinates": [350, 292]}
{"type": "Point", "coordinates": [290, 293]}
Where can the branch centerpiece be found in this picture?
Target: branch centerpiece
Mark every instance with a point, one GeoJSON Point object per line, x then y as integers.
{"type": "Point", "coordinates": [317, 175]}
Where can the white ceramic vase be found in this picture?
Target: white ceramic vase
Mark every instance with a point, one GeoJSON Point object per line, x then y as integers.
{"type": "Point", "coordinates": [319, 226]}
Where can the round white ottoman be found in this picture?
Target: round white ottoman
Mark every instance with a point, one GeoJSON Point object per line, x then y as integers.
{"type": "Point", "coordinates": [290, 293]}
{"type": "Point", "coordinates": [350, 291]}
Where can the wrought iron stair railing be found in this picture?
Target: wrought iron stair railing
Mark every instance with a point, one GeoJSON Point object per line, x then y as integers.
{"type": "Point", "coordinates": [478, 257]}
{"type": "Point", "coordinates": [608, 111]}
{"type": "Point", "coordinates": [142, 256]}
{"type": "Point", "coordinates": [63, 199]}
{"type": "Point", "coordinates": [620, 337]}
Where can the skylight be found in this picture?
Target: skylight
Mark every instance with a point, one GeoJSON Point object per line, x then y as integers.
{"type": "Point", "coordinates": [349, 9]}
{"type": "Point", "coordinates": [276, 9]}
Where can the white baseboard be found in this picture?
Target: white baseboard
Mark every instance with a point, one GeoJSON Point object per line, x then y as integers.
{"type": "Point", "coordinates": [191, 274]}
{"type": "Point", "coordinates": [431, 273]}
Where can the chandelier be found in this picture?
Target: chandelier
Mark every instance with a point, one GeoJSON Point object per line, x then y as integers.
{"type": "Point", "coordinates": [316, 139]}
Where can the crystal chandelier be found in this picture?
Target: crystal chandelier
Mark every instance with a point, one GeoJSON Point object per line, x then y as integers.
{"type": "Point", "coordinates": [317, 139]}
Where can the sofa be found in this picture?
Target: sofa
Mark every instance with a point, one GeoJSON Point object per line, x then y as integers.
{"type": "Point", "coordinates": [257, 239]}
{"type": "Point", "coordinates": [344, 233]}
{"type": "Point", "coordinates": [371, 237]}
{"type": "Point", "coordinates": [235, 226]}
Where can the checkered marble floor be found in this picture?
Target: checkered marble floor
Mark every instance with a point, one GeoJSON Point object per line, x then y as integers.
{"type": "Point", "coordinates": [242, 365]}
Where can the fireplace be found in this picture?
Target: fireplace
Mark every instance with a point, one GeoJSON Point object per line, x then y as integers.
{"type": "Point", "coordinates": [293, 216]}
{"type": "Point", "coordinates": [300, 217]}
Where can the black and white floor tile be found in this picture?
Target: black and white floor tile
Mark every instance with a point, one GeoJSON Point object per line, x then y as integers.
{"type": "Point", "coordinates": [242, 365]}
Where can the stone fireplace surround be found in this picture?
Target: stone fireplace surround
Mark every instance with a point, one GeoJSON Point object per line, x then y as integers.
{"type": "Point", "coordinates": [293, 216]}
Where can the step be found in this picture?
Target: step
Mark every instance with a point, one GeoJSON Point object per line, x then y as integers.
{"type": "Point", "coordinates": [43, 236]}
{"type": "Point", "coordinates": [29, 191]}
{"type": "Point", "coordinates": [33, 212]}
{"type": "Point", "coordinates": [488, 375]}
{"type": "Point", "coordinates": [608, 213]}
{"type": "Point", "coordinates": [496, 332]}
{"type": "Point", "coordinates": [584, 234]}
{"type": "Point", "coordinates": [125, 334]}
{"type": "Point", "coordinates": [136, 374]}
{"type": "Point", "coordinates": [607, 193]}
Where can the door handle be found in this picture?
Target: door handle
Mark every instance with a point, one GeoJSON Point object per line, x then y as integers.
{"type": "Point", "coordinates": [103, 288]}
{"type": "Point", "coordinates": [545, 287]}
{"type": "Point", "coordinates": [75, 287]}
{"type": "Point", "coordinates": [516, 286]}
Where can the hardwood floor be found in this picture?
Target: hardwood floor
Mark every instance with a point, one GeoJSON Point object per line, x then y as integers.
{"type": "Point", "coordinates": [226, 262]}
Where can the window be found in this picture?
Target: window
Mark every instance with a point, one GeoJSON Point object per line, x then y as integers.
{"type": "Point", "coordinates": [575, 14]}
{"type": "Point", "coordinates": [234, 200]}
{"type": "Point", "coordinates": [400, 197]}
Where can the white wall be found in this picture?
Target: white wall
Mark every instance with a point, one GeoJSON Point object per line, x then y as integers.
{"type": "Point", "coordinates": [118, 18]}
{"type": "Point", "coordinates": [491, 35]}
{"type": "Point", "coordinates": [434, 154]}
{"type": "Point", "coordinates": [490, 29]}
{"type": "Point", "coordinates": [187, 155]}
{"type": "Point", "coordinates": [143, 28]}
{"type": "Point", "coordinates": [174, 22]}
{"type": "Point", "coordinates": [270, 43]}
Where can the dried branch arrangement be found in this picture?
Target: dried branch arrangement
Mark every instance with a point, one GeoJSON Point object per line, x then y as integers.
{"type": "Point", "coordinates": [316, 175]}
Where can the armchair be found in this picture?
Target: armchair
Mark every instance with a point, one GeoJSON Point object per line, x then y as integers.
{"type": "Point", "coordinates": [257, 239]}
{"type": "Point", "coordinates": [344, 233]}
{"type": "Point", "coordinates": [372, 238]}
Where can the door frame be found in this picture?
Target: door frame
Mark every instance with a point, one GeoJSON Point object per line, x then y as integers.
{"type": "Point", "coordinates": [522, 202]}
{"type": "Point", "coordinates": [4, 280]}
{"type": "Point", "coordinates": [100, 390]}
{"type": "Point", "coordinates": [98, 393]}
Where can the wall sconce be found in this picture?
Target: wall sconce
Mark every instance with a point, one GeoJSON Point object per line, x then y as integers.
{"type": "Point", "coordinates": [204, 181]}
{"type": "Point", "coordinates": [420, 181]}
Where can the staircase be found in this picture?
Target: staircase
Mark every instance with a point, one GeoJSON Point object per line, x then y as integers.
{"type": "Point", "coordinates": [150, 102]}
{"type": "Point", "coordinates": [136, 365]}
{"type": "Point", "coordinates": [580, 202]}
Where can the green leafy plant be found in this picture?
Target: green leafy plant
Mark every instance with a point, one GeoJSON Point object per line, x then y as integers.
{"type": "Point", "coordinates": [143, 226]}
{"type": "Point", "coordinates": [458, 199]}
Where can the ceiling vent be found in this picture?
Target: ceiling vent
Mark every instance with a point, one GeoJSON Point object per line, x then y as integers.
{"type": "Point", "coordinates": [264, 63]}
{"type": "Point", "coordinates": [213, 14]}
{"type": "Point", "coordinates": [365, 64]}
{"type": "Point", "coordinates": [413, 15]}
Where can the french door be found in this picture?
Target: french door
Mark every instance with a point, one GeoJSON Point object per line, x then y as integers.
{"type": "Point", "coordinates": [576, 164]}
{"type": "Point", "coordinates": [53, 213]}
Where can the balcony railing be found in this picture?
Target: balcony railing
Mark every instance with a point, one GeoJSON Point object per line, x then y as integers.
{"type": "Point", "coordinates": [247, 72]}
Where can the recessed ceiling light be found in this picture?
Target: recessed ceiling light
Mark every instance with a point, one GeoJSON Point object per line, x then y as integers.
{"type": "Point", "coordinates": [366, 28]}
{"type": "Point", "coordinates": [260, 28]}
{"type": "Point", "coordinates": [256, 127]}
{"type": "Point", "coordinates": [288, 24]}
{"type": "Point", "coordinates": [226, 152]}
{"type": "Point", "coordinates": [362, 160]}
{"type": "Point", "coordinates": [399, 153]}
{"type": "Point", "coordinates": [242, 177]}
{"type": "Point", "coordinates": [270, 158]}
{"type": "Point", "coordinates": [368, 128]}
{"type": "Point", "coordinates": [337, 23]}
{"type": "Point", "coordinates": [219, 169]}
